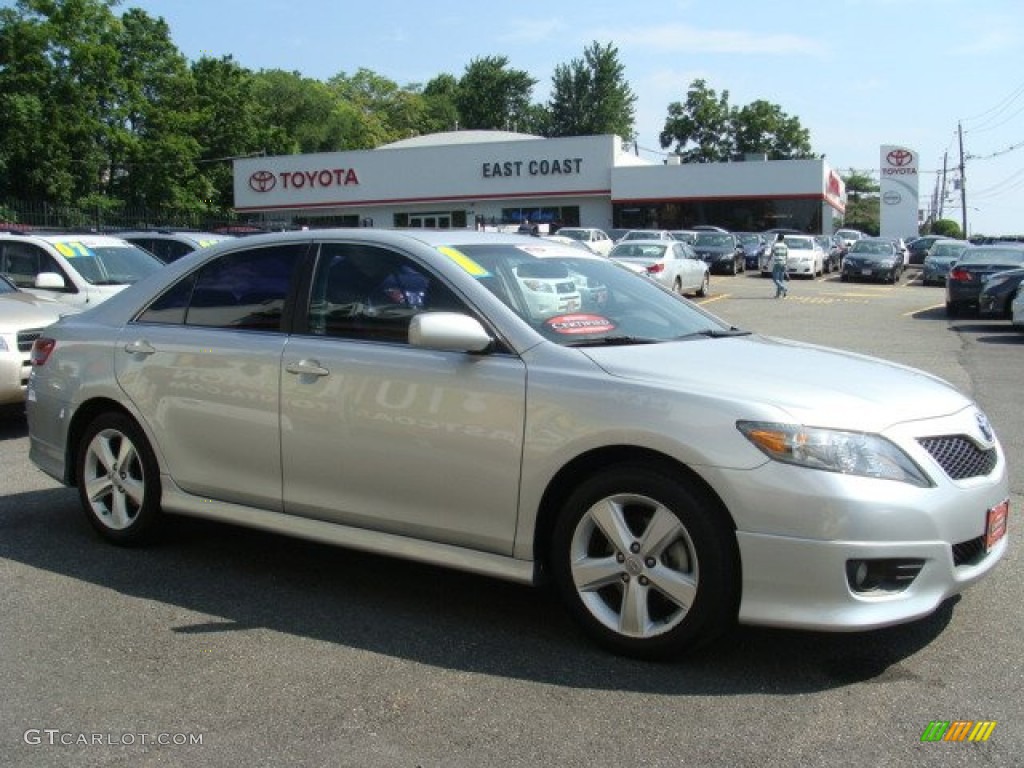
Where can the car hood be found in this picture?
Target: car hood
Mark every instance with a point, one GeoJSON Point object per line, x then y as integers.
{"type": "Point", "coordinates": [23, 310]}
{"type": "Point", "coordinates": [813, 385]}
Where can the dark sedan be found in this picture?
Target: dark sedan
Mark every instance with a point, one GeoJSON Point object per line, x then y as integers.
{"type": "Point", "coordinates": [969, 273]}
{"type": "Point", "coordinates": [873, 258]}
{"type": "Point", "coordinates": [918, 247]}
{"type": "Point", "coordinates": [998, 293]}
{"type": "Point", "coordinates": [721, 251]}
{"type": "Point", "coordinates": [937, 263]}
{"type": "Point", "coordinates": [754, 245]}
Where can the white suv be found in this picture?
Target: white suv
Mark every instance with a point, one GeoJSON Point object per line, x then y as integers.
{"type": "Point", "coordinates": [76, 269]}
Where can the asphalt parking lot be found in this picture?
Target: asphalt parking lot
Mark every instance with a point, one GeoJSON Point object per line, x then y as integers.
{"type": "Point", "coordinates": [237, 648]}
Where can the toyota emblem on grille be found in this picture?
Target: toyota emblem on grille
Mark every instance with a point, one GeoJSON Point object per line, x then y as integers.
{"type": "Point", "coordinates": [262, 181]}
{"type": "Point", "coordinates": [899, 157]}
{"type": "Point", "coordinates": [984, 426]}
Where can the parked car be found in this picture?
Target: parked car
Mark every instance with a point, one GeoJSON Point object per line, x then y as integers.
{"type": "Point", "coordinates": [393, 391]}
{"type": "Point", "coordinates": [918, 248]}
{"type": "Point", "coordinates": [850, 236]}
{"type": "Point", "coordinates": [805, 259]}
{"type": "Point", "coordinates": [595, 239]}
{"type": "Point", "coordinates": [686, 235]}
{"type": "Point", "coordinates": [998, 293]}
{"type": "Point", "coordinates": [873, 258]}
{"type": "Point", "coordinates": [169, 245]}
{"type": "Point", "coordinates": [617, 234]}
{"type": "Point", "coordinates": [646, 234]}
{"type": "Point", "coordinates": [707, 228]}
{"type": "Point", "coordinates": [721, 251]}
{"type": "Point", "coordinates": [22, 320]}
{"type": "Point", "coordinates": [1017, 310]}
{"type": "Point", "coordinates": [755, 247]}
{"type": "Point", "coordinates": [77, 269]}
{"type": "Point", "coordinates": [976, 264]}
{"type": "Point", "coordinates": [832, 248]}
{"type": "Point", "coordinates": [673, 264]}
{"type": "Point", "coordinates": [936, 264]}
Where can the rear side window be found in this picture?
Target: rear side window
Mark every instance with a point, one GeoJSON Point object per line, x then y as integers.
{"type": "Point", "coordinates": [242, 290]}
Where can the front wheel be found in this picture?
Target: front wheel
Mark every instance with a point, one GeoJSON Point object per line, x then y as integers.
{"type": "Point", "coordinates": [118, 480]}
{"type": "Point", "coordinates": [705, 286]}
{"type": "Point", "coordinates": [648, 567]}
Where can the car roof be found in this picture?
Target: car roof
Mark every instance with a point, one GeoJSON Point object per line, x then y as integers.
{"type": "Point", "coordinates": [86, 238]}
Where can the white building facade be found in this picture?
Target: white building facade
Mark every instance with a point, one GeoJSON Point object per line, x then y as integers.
{"type": "Point", "coordinates": [495, 179]}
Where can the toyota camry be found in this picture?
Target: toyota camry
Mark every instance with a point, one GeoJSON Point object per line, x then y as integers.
{"type": "Point", "coordinates": [416, 394]}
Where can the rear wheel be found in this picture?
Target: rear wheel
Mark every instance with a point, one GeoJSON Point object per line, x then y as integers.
{"type": "Point", "coordinates": [647, 566]}
{"type": "Point", "coordinates": [705, 286]}
{"type": "Point", "coordinates": [118, 480]}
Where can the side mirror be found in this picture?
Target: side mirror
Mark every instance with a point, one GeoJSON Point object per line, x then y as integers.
{"type": "Point", "coordinates": [449, 332]}
{"type": "Point", "coordinates": [50, 281]}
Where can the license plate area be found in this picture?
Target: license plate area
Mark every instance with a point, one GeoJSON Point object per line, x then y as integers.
{"type": "Point", "coordinates": [995, 524]}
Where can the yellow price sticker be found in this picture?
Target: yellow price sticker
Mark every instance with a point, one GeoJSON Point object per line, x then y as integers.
{"type": "Point", "coordinates": [72, 249]}
{"type": "Point", "coordinates": [470, 266]}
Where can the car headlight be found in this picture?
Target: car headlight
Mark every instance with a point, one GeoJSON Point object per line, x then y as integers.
{"type": "Point", "coordinates": [848, 453]}
{"type": "Point", "coordinates": [538, 287]}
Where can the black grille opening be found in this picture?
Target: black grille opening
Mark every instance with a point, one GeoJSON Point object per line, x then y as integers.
{"type": "Point", "coordinates": [959, 456]}
{"type": "Point", "coordinates": [969, 552]}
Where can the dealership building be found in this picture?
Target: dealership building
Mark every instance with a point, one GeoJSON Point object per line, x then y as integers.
{"type": "Point", "coordinates": [496, 179]}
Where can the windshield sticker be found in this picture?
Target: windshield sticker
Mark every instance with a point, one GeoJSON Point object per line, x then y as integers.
{"type": "Point", "coordinates": [574, 325]}
{"type": "Point", "coordinates": [467, 264]}
{"type": "Point", "coordinates": [72, 249]}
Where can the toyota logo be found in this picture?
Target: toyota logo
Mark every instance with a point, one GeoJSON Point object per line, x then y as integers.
{"type": "Point", "coordinates": [900, 157]}
{"type": "Point", "coordinates": [262, 181]}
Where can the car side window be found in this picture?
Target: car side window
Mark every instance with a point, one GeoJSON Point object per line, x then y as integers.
{"type": "Point", "coordinates": [372, 293]}
{"type": "Point", "coordinates": [241, 290]}
{"type": "Point", "coordinates": [21, 263]}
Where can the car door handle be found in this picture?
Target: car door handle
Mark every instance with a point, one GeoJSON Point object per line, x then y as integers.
{"type": "Point", "coordinates": [307, 368]}
{"type": "Point", "coordinates": [139, 347]}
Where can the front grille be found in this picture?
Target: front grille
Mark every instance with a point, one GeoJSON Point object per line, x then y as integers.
{"type": "Point", "coordinates": [959, 456]}
{"type": "Point", "coordinates": [25, 338]}
{"type": "Point", "coordinates": [969, 552]}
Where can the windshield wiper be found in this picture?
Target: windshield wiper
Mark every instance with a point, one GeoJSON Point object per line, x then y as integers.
{"type": "Point", "coordinates": [614, 340]}
{"type": "Point", "coordinates": [716, 333]}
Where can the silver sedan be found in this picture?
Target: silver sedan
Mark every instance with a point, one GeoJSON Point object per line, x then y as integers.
{"type": "Point", "coordinates": [400, 392]}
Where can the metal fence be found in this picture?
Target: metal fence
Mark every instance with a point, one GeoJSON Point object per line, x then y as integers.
{"type": "Point", "coordinates": [20, 214]}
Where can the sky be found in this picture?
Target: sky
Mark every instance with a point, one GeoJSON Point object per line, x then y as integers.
{"type": "Point", "coordinates": [857, 74]}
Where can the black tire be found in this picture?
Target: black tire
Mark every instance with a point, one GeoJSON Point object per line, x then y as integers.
{"type": "Point", "coordinates": [119, 481]}
{"type": "Point", "coordinates": [705, 286]}
{"type": "Point", "coordinates": [647, 566]}
{"type": "Point", "coordinates": [952, 310]}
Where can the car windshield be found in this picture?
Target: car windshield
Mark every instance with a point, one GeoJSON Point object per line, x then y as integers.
{"type": "Point", "coordinates": [646, 251]}
{"type": "Point", "coordinates": [581, 301]}
{"type": "Point", "coordinates": [110, 264]}
{"type": "Point", "coordinates": [575, 234]}
{"type": "Point", "coordinates": [713, 240]}
{"type": "Point", "coordinates": [6, 286]}
{"type": "Point", "coordinates": [946, 250]}
{"type": "Point", "coordinates": [800, 244]}
{"type": "Point", "coordinates": [863, 246]}
{"type": "Point", "coordinates": [749, 239]}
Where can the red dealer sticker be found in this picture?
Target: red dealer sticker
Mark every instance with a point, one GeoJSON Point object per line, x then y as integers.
{"type": "Point", "coordinates": [572, 325]}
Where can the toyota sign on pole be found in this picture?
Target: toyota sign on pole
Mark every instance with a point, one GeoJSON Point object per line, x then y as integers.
{"type": "Point", "coordinates": [898, 192]}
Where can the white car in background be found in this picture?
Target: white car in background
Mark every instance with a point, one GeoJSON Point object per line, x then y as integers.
{"type": "Point", "coordinates": [549, 288]}
{"type": "Point", "coordinates": [595, 239]}
{"type": "Point", "coordinates": [806, 258]}
{"type": "Point", "coordinates": [1017, 310]}
{"type": "Point", "coordinates": [76, 269]}
{"type": "Point", "coordinates": [22, 320]}
{"type": "Point", "coordinates": [673, 263]}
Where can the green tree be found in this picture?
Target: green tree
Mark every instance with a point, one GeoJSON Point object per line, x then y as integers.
{"type": "Point", "coordinates": [763, 128]}
{"type": "Point", "coordinates": [590, 96]}
{"type": "Point", "coordinates": [440, 97]}
{"type": "Point", "coordinates": [492, 96]}
{"type": "Point", "coordinates": [376, 109]}
{"type": "Point", "coordinates": [862, 207]}
{"type": "Point", "coordinates": [700, 128]}
{"type": "Point", "coordinates": [947, 228]}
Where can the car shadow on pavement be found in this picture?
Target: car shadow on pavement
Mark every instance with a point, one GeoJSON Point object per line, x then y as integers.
{"type": "Point", "coordinates": [249, 580]}
{"type": "Point", "coordinates": [991, 332]}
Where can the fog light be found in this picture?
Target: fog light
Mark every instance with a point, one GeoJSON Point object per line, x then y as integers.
{"type": "Point", "coordinates": [882, 575]}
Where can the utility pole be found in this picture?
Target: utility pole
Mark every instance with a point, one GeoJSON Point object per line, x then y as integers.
{"type": "Point", "coordinates": [963, 180]}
